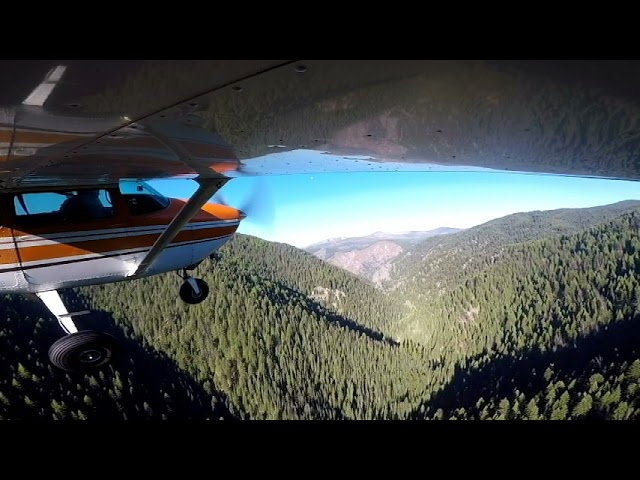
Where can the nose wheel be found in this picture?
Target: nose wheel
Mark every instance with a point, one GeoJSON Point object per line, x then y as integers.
{"type": "Point", "coordinates": [194, 290]}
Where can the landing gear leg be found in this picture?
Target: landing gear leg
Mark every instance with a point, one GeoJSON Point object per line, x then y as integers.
{"type": "Point", "coordinates": [77, 350]}
{"type": "Point", "coordinates": [193, 290]}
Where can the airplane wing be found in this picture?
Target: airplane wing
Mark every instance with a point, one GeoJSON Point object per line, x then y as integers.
{"type": "Point", "coordinates": [91, 123]}
{"type": "Point", "coordinates": [95, 123]}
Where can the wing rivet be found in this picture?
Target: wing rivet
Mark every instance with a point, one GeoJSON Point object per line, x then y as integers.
{"type": "Point", "coordinates": [237, 89]}
{"type": "Point", "coordinates": [301, 68]}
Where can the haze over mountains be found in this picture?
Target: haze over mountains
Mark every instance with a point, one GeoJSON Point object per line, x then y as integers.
{"type": "Point", "coordinates": [531, 316]}
{"type": "Point", "coordinates": [370, 256]}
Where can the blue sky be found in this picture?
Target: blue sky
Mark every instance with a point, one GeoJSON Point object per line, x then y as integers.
{"type": "Point", "coordinates": [312, 207]}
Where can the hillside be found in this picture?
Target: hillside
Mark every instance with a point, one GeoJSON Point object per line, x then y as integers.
{"type": "Point", "coordinates": [370, 257]}
{"type": "Point", "coordinates": [550, 330]}
{"type": "Point", "coordinates": [283, 335]}
{"type": "Point", "coordinates": [546, 329]}
{"type": "Point", "coordinates": [441, 258]}
{"type": "Point", "coordinates": [144, 384]}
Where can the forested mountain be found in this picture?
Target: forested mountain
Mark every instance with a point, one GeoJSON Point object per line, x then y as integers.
{"type": "Point", "coordinates": [549, 330]}
{"type": "Point", "coordinates": [370, 256]}
{"type": "Point", "coordinates": [543, 323]}
{"type": "Point", "coordinates": [443, 258]}
{"type": "Point", "coordinates": [283, 335]}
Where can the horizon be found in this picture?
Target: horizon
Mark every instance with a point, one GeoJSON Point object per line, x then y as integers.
{"type": "Point", "coordinates": [467, 228]}
{"type": "Point", "coordinates": [310, 209]}
{"type": "Point", "coordinates": [388, 233]}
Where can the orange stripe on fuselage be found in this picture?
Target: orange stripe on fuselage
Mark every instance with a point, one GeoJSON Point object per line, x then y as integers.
{"type": "Point", "coordinates": [48, 138]}
{"type": "Point", "coordinates": [210, 212]}
{"type": "Point", "coordinates": [6, 136]}
{"type": "Point", "coordinates": [64, 250]}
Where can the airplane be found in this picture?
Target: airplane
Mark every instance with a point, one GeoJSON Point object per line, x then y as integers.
{"type": "Point", "coordinates": [60, 235]}
{"type": "Point", "coordinates": [80, 141]}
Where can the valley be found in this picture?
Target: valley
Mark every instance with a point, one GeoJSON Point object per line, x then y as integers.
{"type": "Point", "coordinates": [531, 316]}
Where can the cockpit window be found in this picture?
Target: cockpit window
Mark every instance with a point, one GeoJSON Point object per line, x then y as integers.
{"type": "Point", "coordinates": [75, 206]}
{"type": "Point", "coordinates": [142, 198]}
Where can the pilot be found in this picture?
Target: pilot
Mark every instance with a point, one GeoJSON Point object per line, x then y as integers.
{"type": "Point", "coordinates": [85, 205]}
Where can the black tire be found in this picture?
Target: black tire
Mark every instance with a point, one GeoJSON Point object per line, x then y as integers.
{"type": "Point", "coordinates": [188, 295]}
{"type": "Point", "coordinates": [84, 350]}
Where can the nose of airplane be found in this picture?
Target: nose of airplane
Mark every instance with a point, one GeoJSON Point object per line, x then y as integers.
{"type": "Point", "coordinates": [223, 211]}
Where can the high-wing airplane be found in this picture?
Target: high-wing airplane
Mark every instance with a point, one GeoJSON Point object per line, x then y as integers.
{"type": "Point", "coordinates": [94, 230]}
{"type": "Point", "coordinates": [79, 140]}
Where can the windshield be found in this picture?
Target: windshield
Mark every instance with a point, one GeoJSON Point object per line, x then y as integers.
{"type": "Point", "coordinates": [142, 198]}
{"type": "Point", "coordinates": [138, 187]}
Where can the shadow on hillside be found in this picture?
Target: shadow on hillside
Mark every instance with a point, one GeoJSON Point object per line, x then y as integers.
{"type": "Point", "coordinates": [145, 370]}
{"type": "Point", "coordinates": [616, 342]}
{"type": "Point", "coordinates": [330, 315]}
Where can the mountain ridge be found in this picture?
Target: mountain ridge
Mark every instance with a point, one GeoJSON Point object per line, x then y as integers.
{"type": "Point", "coordinates": [380, 234]}
{"type": "Point", "coordinates": [370, 256]}
{"type": "Point", "coordinates": [425, 258]}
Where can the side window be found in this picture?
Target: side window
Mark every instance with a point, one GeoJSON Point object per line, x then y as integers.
{"type": "Point", "coordinates": [72, 206]}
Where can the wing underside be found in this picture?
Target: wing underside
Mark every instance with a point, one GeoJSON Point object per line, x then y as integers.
{"type": "Point", "coordinates": [76, 129]}
{"type": "Point", "coordinates": [90, 123]}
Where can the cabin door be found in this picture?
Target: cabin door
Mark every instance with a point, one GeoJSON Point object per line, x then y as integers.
{"type": "Point", "coordinates": [69, 238]}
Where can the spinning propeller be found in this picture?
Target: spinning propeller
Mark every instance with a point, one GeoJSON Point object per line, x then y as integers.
{"type": "Point", "coordinates": [257, 206]}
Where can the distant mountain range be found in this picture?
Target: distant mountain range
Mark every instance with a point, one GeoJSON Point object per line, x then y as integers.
{"type": "Point", "coordinates": [393, 259]}
{"type": "Point", "coordinates": [438, 257]}
{"type": "Point", "coordinates": [371, 256]}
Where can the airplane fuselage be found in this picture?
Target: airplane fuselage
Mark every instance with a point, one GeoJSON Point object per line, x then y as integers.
{"type": "Point", "coordinates": [43, 251]}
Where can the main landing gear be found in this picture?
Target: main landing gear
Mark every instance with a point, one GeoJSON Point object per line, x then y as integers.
{"type": "Point", "coordinates": [82, 350]}
{"type": "Point", "coordinates": [193, 290]}
{"type": "Point", "coordinates": [87, 349]}
{"type": "Point", "coordinates": [77, 350]}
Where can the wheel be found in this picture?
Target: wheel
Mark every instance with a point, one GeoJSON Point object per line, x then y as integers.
{"type": "Point", "coordinates": [82, 350]}
{"type": "Point", "coordinates": [188, 294]}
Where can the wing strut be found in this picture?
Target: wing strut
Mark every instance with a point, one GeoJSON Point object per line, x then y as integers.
{"type": "Point", "coordinates": [41, 93]}
{"type": "Point", "coordinates": [208, 186]}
